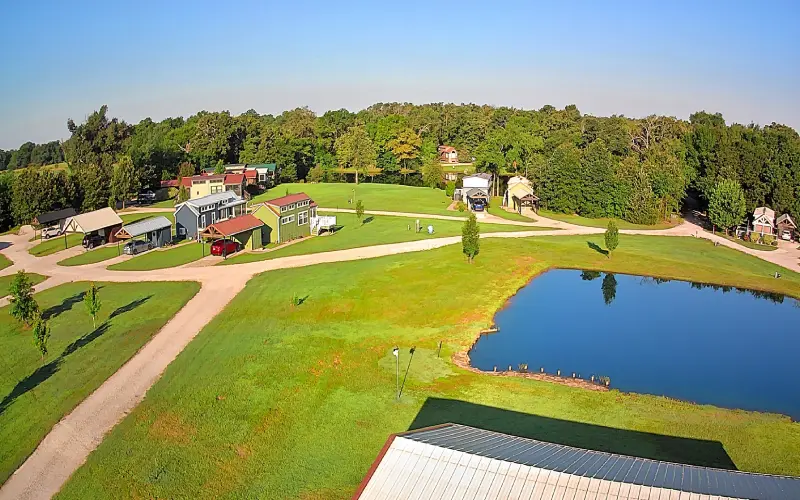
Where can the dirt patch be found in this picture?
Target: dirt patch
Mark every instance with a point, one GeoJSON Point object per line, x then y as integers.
{"type": "Point", "coordinates": [243, 451]}
{"type": "Point", "coordinates": [169, 426]}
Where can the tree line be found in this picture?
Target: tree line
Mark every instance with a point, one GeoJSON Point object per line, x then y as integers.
{"type": "Point", "coordinates": [640, 170]}
{"type": "Point", "coordinates": [31, 155]}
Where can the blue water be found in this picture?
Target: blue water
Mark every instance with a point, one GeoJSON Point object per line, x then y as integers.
{"type": "Point", "coordinates": [726, 347]}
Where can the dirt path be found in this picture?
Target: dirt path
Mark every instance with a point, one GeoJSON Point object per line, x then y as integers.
{"type": "Point", "coordinates": [69, 443]}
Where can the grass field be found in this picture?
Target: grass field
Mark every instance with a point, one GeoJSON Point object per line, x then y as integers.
{"type": "Point", "coordinates": [54, 245]}
{"type": "Point", "coordinates": [160, 259]}
{"type": "Point", "coordinates": [380, 230]}
{"type": "Point", "coordinates": [496, 209]}
{"type": "Point", "coordinates": [170, 203]}
{"type": "Point", "coordinates": [91, 256]}
{"type": "Point", "coordinates": [603, 222]}
{"type": "Point", "coordinates": [747, 244]}
{"type": "Point", "coordinates": [279, 401]}
{"type": "Point", "coordinates": [36, 395]}
{"type": "Point", "coordinates": [5, 262]}
{"type": "Point", "coordinates": [5, 281]}
{"type": "Point", "coordinates": [390, 197]}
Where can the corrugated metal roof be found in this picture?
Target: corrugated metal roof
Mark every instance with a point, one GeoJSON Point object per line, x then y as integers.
{"type": "Point", "coordinates": [55, 215]}
{"type": "Point", "coordinates": [147, 225]}
{"type": "Point", "coordinates": [288, 199]}
{"type": "Point", "coordinates": [223, 197]}
{"type": "Point", "coordinates": [234, 226]}
{"type": "Point", "coordinates": [456, 461]}
{"type": "Point", "coordinates": [92, 221]}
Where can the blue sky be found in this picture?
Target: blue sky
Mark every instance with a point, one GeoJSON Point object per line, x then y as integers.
{"type": "Point", "coordinates": [64, 59]}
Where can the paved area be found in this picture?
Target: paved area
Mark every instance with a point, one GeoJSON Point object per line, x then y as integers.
{"type": "Point", "coordinates": [69, 443]}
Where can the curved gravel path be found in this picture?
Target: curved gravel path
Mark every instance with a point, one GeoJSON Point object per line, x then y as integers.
{"type": "Point", "coordinates": [69, 443]}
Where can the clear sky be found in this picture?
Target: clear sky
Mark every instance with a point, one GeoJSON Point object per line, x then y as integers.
{"type": "Point", "coordinates": [165, 58]}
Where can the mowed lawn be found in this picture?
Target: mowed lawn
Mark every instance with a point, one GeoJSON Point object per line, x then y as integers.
{"type": "Point", "coordinates": [53, 245]}
{"type": "Point", "coordinates": [273, 400]}
{"type": "Point", "coordinates": [388, 197]}
{"type": "Point", "coordinates": [603, 222]}
{"type": "Point", "coordinates": [496, 209]}
{"type": "Point", "coordinates": [379, 230]}
{"type": "Point", "coordinates": [5, 281]}
{"type": "Point", "coordinates": [5, 261]}
{"type": "Point", "coordinates": [178, 255]}
{"type": "Point", "coordinates": [36, 395]}
{"type": "Point", "coordinates": [130, 218]}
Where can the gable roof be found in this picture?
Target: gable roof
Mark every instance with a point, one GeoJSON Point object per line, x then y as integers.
{"type": "Point", "coordinates": [233, 226]}
{"type": "Point", "coordinates": [288, 199]}
{"type": "Point", "coordinates": [482, 175]}
{"type": "Point", "coordinates": [455, 461]}
{"type": "Point", "coordinates": [207, 177]}
{"type": "Point", "coordinates": [170, 183]}
{"type": "Point", "coordinates": [234, 179]}
{"type": "Point", "coordinates": [446, 149]}
{"type": "Point", "coordinates": [92, 221]}
{"type": "Point", "coordinates": [251, 174]}
{"type": "Point", "coordinates": [786, 219]}
{"type": "Point", "coordinates": [224, 198]}
{"type": "Point", "coordinates": [765, 212]}
{"type": "Point", "coordinates": [263, 166]}
{"type": "Point", "coordinates": [143, 227]}
{"type": "Point", "coordinates": [54, 216]}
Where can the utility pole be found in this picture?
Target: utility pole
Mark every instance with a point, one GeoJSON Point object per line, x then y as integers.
{"type": "Point", "coordinates": [396, 352]}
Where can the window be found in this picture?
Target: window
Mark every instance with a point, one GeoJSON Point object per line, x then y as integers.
{"type": "Point", "coordinates": [213, 217]}
{"type": "Point", "coordinates": [203, 221]}
{"type": "Point", "coordinates": [181, 231]}
{"type": "Point", "coordinates": [302, 218]}
{"type": "Point", "coordinates": [313, 212]}
{"type": "Point", "coordinates": [284, 208]}
{"type": "Point", "coordinates": [262, 177]}
{"type": "Point", "coordinates": [287, 220]}
{"type": "Point", "coordinates": [216, 189]}
{"type": "Point", "coordinates": [291, 207]}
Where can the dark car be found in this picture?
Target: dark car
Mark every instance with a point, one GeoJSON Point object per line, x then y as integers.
{"type": "Point", "coordinates": [478, 206]}
{"type": "Point", "coordinates": [136, 246]}
{"type": "Point", "coordinates": [224, 247]}
{"type": "Point", "coordinates": [93, 240]}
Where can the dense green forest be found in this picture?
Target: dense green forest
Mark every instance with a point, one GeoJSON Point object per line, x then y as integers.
{"type": "Point", "coordinates": [640, 170]}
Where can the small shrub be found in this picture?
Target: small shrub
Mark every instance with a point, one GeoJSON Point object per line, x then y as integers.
{"type": "Point", "coordinates": [450, 189]}
{"type": "Point", "coordinates": [296, 300]}
{"type": "Point", "coordinates": [768, 239]}
{"type": "Point", "coordinates": [461, 206]}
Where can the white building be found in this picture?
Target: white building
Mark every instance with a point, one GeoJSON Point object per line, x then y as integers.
{"type": "Point", "coordinates": [475, 187]}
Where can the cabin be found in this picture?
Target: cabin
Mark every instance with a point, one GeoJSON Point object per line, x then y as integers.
{"type": "Point", "coordinates": [155, 230]}
{"type": "Point", "coordinates": [288, 217]}
{"type": "Point", "coordinates": [786, 227]}
{"type": "Point", "coordinates": [448, 154]}
{"type": "Point", "coordinates": [104, 222]}
{"type": "Point", "coordinates": [475, 187]}
{"type": "Point", "coordinates": [763, 221]}
{"type": "Point", "coordinates": [193, 216]}
{"type": "Point", "coordinates": [519, 194]}
{"type": "Point", "coordinates": [246, 229]}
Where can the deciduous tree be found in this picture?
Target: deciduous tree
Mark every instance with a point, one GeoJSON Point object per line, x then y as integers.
{"type": "Point", "coordinates": [41, 334]}
{"type": "Point", "coordinates": [470, 237]}
{"type": "Point", "coordinates": [727, 207]}
{"type": "Point", "coordinates": [611, 237]}
{"type": "Point", "coordinates": [92, 301]}
{"type": "Point", "coordinates": [124, 181]}
{"type": "Point", "coordinates": [355, 150]}
{"type": "Point", "coordinates": [23, 306]}
{"type": "Point", "coordinates": [433, 173]}
{"type": "Point", "coordinates": [360, 211]}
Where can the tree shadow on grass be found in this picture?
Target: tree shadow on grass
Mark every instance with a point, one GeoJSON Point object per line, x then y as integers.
{"type": "Point", "coordinates": [596, 248]}
{"type": "Point", "coordinates": [367, 220]}
{"type": "Point", "coordinates": [44, 372]}
{"type": "Point", "coordinates": [129, 307]}
{"type": "Point", "coordinates": [64, 306]}
{"type": "Point", "coordinates": [593, 437]}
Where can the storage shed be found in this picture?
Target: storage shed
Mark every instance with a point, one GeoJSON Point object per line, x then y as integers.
{"type": "Point", "coordinates": [105, 222]}
{"type": "Point", "coordinates": [156, 230]}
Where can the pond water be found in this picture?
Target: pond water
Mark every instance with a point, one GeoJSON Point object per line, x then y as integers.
{"type": "Point", "coordinates": [707, 344]}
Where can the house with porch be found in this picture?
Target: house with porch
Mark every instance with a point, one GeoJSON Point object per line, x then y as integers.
{"type": "Point", "coordinates": [245, 229]}
{"type": "Point", "coordinates": [193, 216]}
{"type": "Point", "coordinates": [290, 217]}
{"type": "Point", "coordinates": [104, 222]}
{"type": "Point", "coordinates": [475, 187]}
{"type": "Point", "coordinates": [155, 230]}
{"type": "Point", "coordinates": [763, 221]}
{"type": "Point", "coordinates": [519, 194]}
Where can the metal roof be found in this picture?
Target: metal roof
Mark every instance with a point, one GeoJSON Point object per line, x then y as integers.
{"type": "Point", "coordinates": [145, 226]}
{"type": "Point", "coordinates": [456, 461]}
{"type": "Point", "coordinates": [223, 197]}
{"type": "Point", "coordinates": [93, 221]}
{"type": "Point", "coordinates": [55, 216]}
{"type": "Point", "coordinates": [231, 227]}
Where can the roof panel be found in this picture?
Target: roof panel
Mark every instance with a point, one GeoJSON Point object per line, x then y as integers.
{"type": "Point", "coordinates": [147, 225]}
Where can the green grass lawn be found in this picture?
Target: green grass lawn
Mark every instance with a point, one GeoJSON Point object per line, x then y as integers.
{"type": "Point", "coordinates": [496, 209]}
{"type": "Point", "coordinates": [748, 244]}
{"type": "Point", "coordinates": [5, 281]}
{"type": "Point", "coordinates": [36, 395]}
{"type": "Point", "coordinates": [130, 218]}
{"type": "Point", "coordinates": [170, 203]}
{"type": "Point", "coordinates": [5, 261]}
{"type": "Point", "coordinates": [603, 222]}
{"type": "Point", "coordinates": [279, 401]}
{"type": "Point", "coordinates": [92, 256]}
{"type": "Point", "coordinates": [389, 197]}
{"type": "Point", "coordinates": [159, 259]}
{"type": "Point", "coordinates": [381, 229]}
{"type": "Point", "coordinates": [54, 245]}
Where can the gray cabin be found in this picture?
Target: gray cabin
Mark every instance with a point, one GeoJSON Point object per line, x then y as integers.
{"type": "Point", "coordinates": [192, 216]}
{"type": "Point", "coordinates": [156, 230]}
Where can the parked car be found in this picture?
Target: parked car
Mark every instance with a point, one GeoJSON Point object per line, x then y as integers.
{"type": "Point", "coordinates": [147, 197]}
{"type": "Point", "coordinates": [478, 206]}
{"type": "Point", "coordinates": [136, 246]}
{"type": "Point", "coordinates": [50, 232]}
{"type": "Point", "coordinates": [93, 240]}
{"type": "Point", "coordinates": [786, 235]}
{"type": "Point", "coordinates": [224, 247]}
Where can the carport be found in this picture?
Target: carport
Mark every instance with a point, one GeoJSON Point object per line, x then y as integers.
{"type": "Point", "coordinates": [245, 229]}
{"type": "Point", "coordinates": [156, 230]}
{"type": "Point", "coordinates": [477, 194]}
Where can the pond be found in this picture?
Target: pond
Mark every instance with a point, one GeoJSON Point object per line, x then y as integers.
{"type": "Point", "coordinates": [706, 344]}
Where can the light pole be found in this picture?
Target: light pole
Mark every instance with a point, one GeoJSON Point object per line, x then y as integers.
{"type": "Point", "coordinates": [396, 352]}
